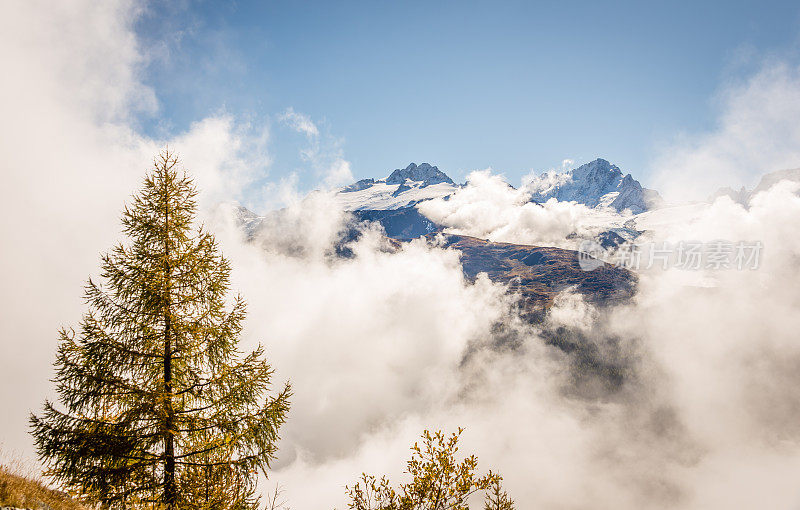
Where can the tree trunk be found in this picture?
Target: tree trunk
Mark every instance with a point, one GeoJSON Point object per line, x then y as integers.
{"type": "Point", "coordinates": [169, 439]}
{"type": "Point", "coordinates": [170, 491]}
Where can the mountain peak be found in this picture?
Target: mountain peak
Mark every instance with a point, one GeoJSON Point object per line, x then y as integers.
{"type": "Point", "coordinates": [767, 181]}
{"type": "Point", "coordinates": [599, 168]}
{"type": "Point", "coordinates": [404, 188]}
{"type": "Point", "coordinates": [595, 184]}
{"type": "Point", "coordinates": [424, 172]}
{"type": "Point", "coordinates": [600, 162]}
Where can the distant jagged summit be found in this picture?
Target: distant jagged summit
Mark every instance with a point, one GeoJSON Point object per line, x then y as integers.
{"type": "Point", "coordinates": [767, 181]}
{"type": "Point", "coordinates": [404, 188]}
{"type": "Point", "coordinates": [424, 173]}
{"type": "Point", "coordinates": [595, 184]}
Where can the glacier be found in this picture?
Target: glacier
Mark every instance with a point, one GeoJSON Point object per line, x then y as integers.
{"type": "Point", "coordinates": [595, 184]}
{"type": "Point", "coordinates": [403, 188]}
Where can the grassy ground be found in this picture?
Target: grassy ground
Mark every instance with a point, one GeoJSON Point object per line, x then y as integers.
{"type": "Point", "coordinates": [21, 491]}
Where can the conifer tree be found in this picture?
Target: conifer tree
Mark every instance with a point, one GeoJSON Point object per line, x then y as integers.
{"type": "Point", "coordinates": [159, 405]}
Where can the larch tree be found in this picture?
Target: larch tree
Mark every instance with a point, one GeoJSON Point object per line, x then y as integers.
{"type": "Point", "coordinates": [159, 406]}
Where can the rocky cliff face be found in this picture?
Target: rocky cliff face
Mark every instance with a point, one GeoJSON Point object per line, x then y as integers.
{"type": "Point", "coordinates": [424, 173]}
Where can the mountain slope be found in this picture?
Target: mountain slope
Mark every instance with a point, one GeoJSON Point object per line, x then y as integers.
{"type": "Point", "coordinates": [402, 224]}
{"type": "Point", "coordinates": [18, 491]}
{"type": "Point", "coordinates": [539, 273]}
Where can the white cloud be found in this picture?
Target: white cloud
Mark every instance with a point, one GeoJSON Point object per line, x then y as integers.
{"type": "Point", "coordinates": [300, 122]}
{"type": "Point", "coordinates": [491, 209]}
{"type": "Point", "coordinates": [323, 153]}
{"type": "Point", "coordinates": [706, 416]}
{"type": "Point", "coordinates": [70, 160]}
{"type": "Point", "coordinates": [756, 132]}
{"type": "Point", "coordinates": [339, 173]}
{"type": "Point", "coordinates": [225, 157]}
{"type": "Point", "coordinates": [541, 183]}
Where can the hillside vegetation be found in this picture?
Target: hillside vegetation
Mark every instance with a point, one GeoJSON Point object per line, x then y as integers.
{"type": "Point", "coordinates": [19, 491]}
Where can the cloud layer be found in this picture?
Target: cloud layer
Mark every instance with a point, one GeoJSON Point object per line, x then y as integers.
{"type": "Point", "coordinates": [71, 157]}
{"type": "Point", "coordinates": [755, 133]}
{"type": "Point", "coordinates": [487, 207]}
{"type": "Point", "coordinates": [686, 397]}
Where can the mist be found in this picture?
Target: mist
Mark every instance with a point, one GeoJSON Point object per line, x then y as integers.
{"type": "Point", "coordinates": [700, 409]}
{"type": "Point", "coordinates": [692, 396]}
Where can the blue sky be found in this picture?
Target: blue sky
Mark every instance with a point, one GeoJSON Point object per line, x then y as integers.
{"type": "Point", "coordinates": [517, 86]}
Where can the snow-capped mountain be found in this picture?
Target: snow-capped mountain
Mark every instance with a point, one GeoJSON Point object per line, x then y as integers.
{"type": "Point", "coordinates": [595, 184]}
{"type": "Point", "coordinates": [241, 216]}
{"type": "Point", "coordinates": [424, 173]}
{"type": "Point", "coordinates": [403, 188]}
{"type": "Point", "coordinates": [391, 201]}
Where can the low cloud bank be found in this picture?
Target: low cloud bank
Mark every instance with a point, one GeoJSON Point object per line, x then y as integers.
{"type": "Point", "coordinates": [684, 398]}
{"type": "Point", "coordinates": [489, 208]}
{"type": "Point", "coordinates": [755, 133]}
{"type": "Point", "coordinates": [687, 397]}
